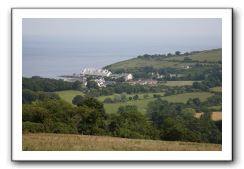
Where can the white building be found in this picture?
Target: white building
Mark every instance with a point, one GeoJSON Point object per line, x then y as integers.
{"type": "Point", "coordinates": [100, 82]}
{"type": "Point", "coordinates": [128, 77]}
{"type": "Point", "coordinates": [95, 72]}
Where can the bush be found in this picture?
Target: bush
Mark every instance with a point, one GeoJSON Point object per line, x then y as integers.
{"type": "Point", "coordinates": [145, 96]}
{"type": "Point", "coordinates": [60, 127]}
{"type": "Point", "coordinates": [108, 100]}
{"type": "Point", "coordinates": [34, 113]}
{"type": "Point", "coordinates": [136, 97]}
{"type": "Point", "coordinates": [31, 127]}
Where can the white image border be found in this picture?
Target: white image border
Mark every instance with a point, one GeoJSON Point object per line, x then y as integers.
{"type": "Point", "coordinates": [19, 155]}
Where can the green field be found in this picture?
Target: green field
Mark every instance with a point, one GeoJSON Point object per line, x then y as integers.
{"type": "Point", "coordinates": [72, 142]}
{"type": "Point", "coordinates": [211, 56]}
{"type": "Point", "coordinates": [140, 95]}
{"type": "Point", "coordinates": [172, 62]}
{"type": "Point", "coordinates": [68, 95]}
{"type": "Point", "coordinates": [178, 83]}
{"type": "Point", "coordinates": [216, 108]}
{"type": "Point", "coordinates": [216, 89]}
{"type": "Point", "coordinates": [137, 63]}
{"type": "Point", "coordinates": [182, 98]}
{"type": "Point", "coordinates": [141, 103]}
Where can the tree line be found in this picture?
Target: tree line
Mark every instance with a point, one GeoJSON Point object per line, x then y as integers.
{"type": "Point", "coordinates": [163, 120]}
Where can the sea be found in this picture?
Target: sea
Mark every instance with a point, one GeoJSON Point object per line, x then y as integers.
{"type": "Point", "coordinates": [52, 61]}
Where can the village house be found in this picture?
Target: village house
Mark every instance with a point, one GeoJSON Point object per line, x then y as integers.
{"type": "Point", "coordinates": [100, 82]}
{"type": "Point", "coordinates": [128, 76]}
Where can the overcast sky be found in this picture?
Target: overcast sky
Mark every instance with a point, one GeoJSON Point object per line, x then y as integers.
{"type": "Point", "coordinates": [154, 34]}
{"type": "Point", "coordinates": [99, 42]}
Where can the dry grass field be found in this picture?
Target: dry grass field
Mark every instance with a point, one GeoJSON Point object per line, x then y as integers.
{"type": "Point", "coordinates": [198, 115]}
{"type": "Point", "coordinates": [216, 116]}
{"type": "Point", "coordinates": [69, 142]}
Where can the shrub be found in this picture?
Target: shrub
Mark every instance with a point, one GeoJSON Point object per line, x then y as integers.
{"type": "Point", "coordinates": [31, 127]}
{"type": "Point", "coordinates": [108, 100]}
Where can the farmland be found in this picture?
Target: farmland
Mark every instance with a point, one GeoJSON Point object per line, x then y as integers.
{"type": "Point", "coordinates": [212, 56]}
{"type": "Point", "coordinates": [70, 142]}
{"type": "Point", "coordinates": [216, 116]}
{"type": "Point", "coordinates": [216, 89]}
{"type": "Point", "coordinates": [168, 62]}
{"type": "Point", "coordinates": [141, 103]}
{"type": "Point", "coordinates": [182, 98]}
{"type": "Point", "coordinates": [178, 83]}
{"type": "Point", "coordinates": [68, 95]}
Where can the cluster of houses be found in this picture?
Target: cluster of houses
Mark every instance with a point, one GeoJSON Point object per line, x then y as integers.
{"type": "Point", "coordinates": [95, 72]}
{"type": "Point", "coordinates": [99, 76]}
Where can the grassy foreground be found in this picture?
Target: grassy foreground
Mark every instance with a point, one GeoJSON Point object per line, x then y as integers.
{"type": "Point", "coordinates": [71, 142]}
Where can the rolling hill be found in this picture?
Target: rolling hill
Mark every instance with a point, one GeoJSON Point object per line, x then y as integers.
{"type": "Point", "coordinates": [163, 61]}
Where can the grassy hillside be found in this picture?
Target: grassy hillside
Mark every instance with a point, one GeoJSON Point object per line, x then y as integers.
{"type": "Point", "coordinates": [69, 142]}
{"type": "Point", "coordinates": [68, 95]}
{"type": "Point", "coordinates": [167, 62]}
{"type": "Point", "coordinates": [211, 56]}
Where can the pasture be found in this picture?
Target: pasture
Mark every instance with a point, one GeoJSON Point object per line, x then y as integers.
{"type": "Point", "coordinates": [72, 142]}
{"type": "Point", "coordinates": [216, 89]}
{"type": "Point", "coordinates": [178, 83]}
{"type": "Point", "coordinates": [210, 56]}
{"type": "Point", "coordinates": [141, 103]}
{"type": "Point", "coordinates": [182, 98]}
{"type": "Point", "coordinates": [68, 95]}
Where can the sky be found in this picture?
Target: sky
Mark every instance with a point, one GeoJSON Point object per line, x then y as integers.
{"type": "Point", "coordinates": [62, 46]}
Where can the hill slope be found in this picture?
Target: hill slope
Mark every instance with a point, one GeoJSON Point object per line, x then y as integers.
{"type": "Point", "coordinates": [163, 61]}
{"type": "Point", "coordinates": [69, 142]}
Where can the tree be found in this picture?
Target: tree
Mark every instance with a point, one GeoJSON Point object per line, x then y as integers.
{"type": "Point", "coordinates": [92, 117]}
{"type": "Point", "coordinates": [117, 98]}
{"type": "Point", "coordinates": [76, 85]}
{"type": "Point", "coordinates": [177, 53]}
{"type": "Point", "coordinates": [78, 100]}
{"type": "Point", "coordinates": [169, 54]}
{"type": "Point", "coordinates": [91, 84]}
{"type": "Point", "coordinates": [28, 96]}
{"type": "Point", "coordinates": [123, 97]}
{"type": "Point", "coordinates": [108, 100]}
{"type": "Point", "coordinates": [196, 102]}
{"type": "Point", "coordinates": [136, 97]}
{"type": "Point", "coordinates": [132, 124]}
